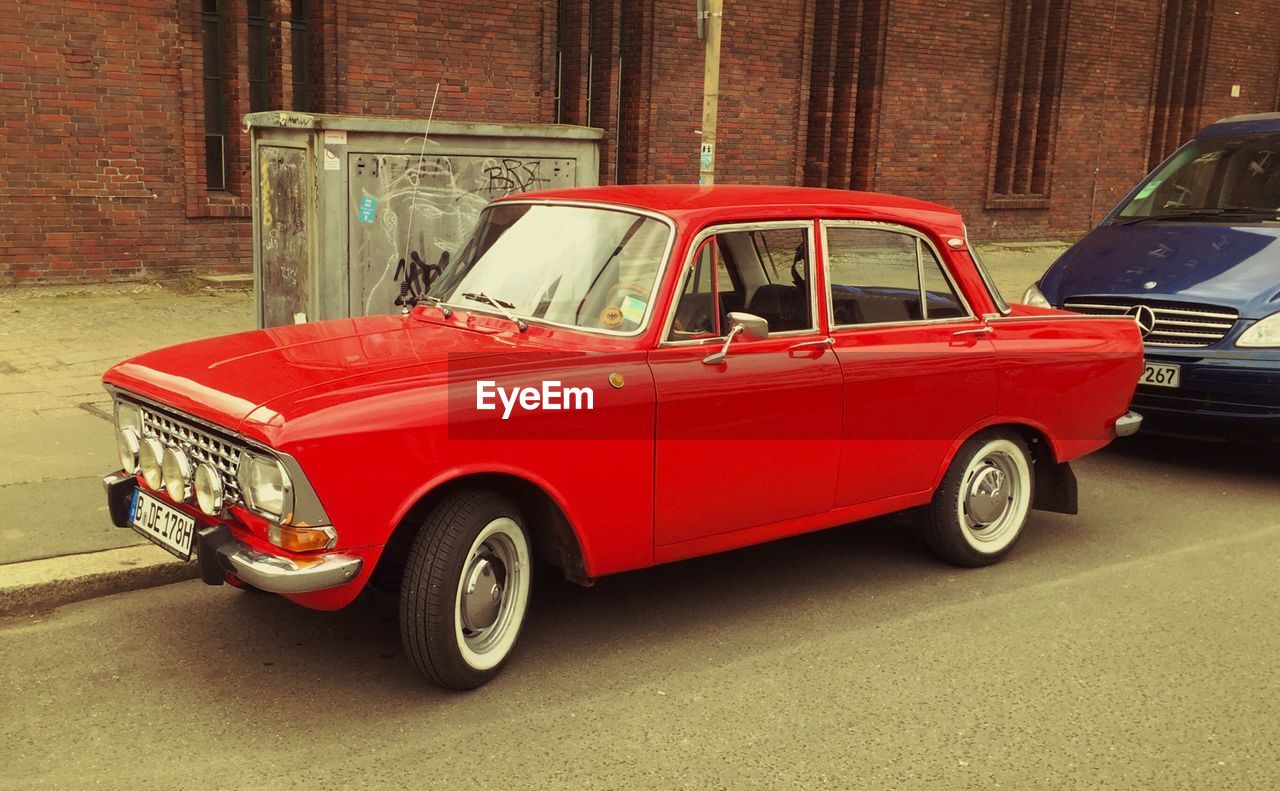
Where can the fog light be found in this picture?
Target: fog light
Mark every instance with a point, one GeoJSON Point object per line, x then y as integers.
{"type": "Point", "coordinates": [301, 539]}
{"type": "Point", "coordinates": [150, 452]}
{"type": "Point", "coordinates": [127, 448]}
{"type": "Point", "coordinates": [176, 469]}
{"type": "Point", "coordinates": [208, 489]}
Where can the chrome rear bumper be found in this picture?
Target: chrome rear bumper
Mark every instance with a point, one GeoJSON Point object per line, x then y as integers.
{"type": "Point", "coordinates": [1128, 424]}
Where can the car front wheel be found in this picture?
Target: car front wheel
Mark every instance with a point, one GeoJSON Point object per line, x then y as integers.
{"type": "Point", "coordinates": [465, 589]}
{"type": "Point", "coordinates": [979, 509]}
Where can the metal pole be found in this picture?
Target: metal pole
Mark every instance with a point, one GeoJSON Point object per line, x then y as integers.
{"type": "Point", "coordinates": [710, 93]}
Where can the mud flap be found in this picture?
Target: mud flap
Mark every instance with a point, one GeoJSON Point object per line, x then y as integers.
{"type": "Point", "coordinates": [1056, 488]}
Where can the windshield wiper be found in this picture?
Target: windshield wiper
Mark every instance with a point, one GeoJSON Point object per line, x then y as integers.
{"type": "Point", "coordinates": [1244, 212]}
{"type": "Point", "coordinates": [503, 307]}
{"type": "Point", "coordinates": [445, 310]}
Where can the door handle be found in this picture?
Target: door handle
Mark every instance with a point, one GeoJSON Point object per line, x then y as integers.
{"type": "Point", "coordinates": [977, 332]}
{"type": "Point", "coordinates": [812, 344]}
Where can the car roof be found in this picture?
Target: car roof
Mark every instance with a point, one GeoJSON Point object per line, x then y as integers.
{"type": "Point", "coordinates": [727, 201]}
{"type": "Point", "coordinates": [1243, 124]}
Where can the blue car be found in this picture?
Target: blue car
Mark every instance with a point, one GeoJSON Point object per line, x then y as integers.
{"type": "Point", "coordinates": [1193, 255]}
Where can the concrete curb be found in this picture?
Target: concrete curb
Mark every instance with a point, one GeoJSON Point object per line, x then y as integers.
{"type": "Point", "coordinates": [41, 585]}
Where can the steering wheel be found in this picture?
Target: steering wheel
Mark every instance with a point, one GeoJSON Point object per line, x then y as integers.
{"type": "Point", "coordinates": [1179, 200]}
{"type": "Point", "coordinates": [796, 277]}
{"type": "Point", "coordinates": [700, 322]}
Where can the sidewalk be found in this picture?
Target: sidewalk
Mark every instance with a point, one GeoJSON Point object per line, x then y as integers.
{"type": "Point", "coordinates": [57, 543]}
{"type": "Point", "coordinates": [55, 342]}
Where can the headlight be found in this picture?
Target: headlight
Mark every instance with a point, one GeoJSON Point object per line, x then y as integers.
{"type": "Point", "coordinates": [128, 433]}
{"type": "Point", "coordinates": [1032, 296]}
{"type": "Point", "coordinates": [128, 416]}
{"type": "Point", "coordinates": [176, 469]}
{"type": "Point", "coordinates": [127, 448]}
{"type": "Point", "coordinates": [265, 486]}
{"type": "Point", "coordinates": [150, 453]}
{"type": "Point", "coordinates": [208, 489]}
{"type": "Point", "coordinates": [1263, 334]}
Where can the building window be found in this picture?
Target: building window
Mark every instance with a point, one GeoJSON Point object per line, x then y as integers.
{"type": "Point", "coordinates": [1179, 86]}
{"type": "Point", "coordinates": [301, 67]}
{"type": "Point", "coordinates": [847, 72]}
{"type": "Point", "coordinates": [215, 111]}
{"type": "Point", "coordinates": [1030, 82]}
{"type": "Point", "coordinates": [259, 98]}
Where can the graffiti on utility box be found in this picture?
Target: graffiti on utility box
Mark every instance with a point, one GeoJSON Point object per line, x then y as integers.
{"type": "Point", "coordinates": [282, 199]}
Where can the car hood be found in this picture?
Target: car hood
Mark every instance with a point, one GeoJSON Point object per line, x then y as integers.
{"type": "Point", "coordinates": [1232, 266]}
{"type": "Point", "coordinates": [224, 379]}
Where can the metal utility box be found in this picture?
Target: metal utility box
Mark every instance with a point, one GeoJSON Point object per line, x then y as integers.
{"type": "Point", "coordinates": [339, 200]}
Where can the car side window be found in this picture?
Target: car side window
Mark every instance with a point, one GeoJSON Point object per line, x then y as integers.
{"type": "Point", "coordinates": [763, 272]}
{"type": "Point", "coordinates": [880, 276]}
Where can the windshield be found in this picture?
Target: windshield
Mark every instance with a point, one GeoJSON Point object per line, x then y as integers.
{"type": "Point", "coordinates": [1213, 175]}
{"type": "Point", "coordinates": [572, 265]}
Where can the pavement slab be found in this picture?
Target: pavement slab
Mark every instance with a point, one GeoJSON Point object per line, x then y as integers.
{"type": "Point", "coordinates": [62, 517]}
{"type": "Point", "coordinates": [65, 442]}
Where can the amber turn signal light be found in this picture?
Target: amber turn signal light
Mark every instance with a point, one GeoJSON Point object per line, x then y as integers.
{"type": "Point", "coordinates": [301, 539]}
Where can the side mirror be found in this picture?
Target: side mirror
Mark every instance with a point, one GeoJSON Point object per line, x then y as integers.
{"type": "Point", "coordinates": [753, 325]}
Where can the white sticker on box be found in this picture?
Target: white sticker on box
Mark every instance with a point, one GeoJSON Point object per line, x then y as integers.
{"type": "Point", "coordinates": [337, 137]}
{"type": "Point", "coordinates": [331, 161]}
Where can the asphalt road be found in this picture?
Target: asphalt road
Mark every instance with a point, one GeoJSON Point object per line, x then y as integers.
{"type": "Point", "coordinates": [1132, 646]}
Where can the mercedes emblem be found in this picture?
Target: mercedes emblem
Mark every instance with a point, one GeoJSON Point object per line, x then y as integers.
{"type": "Point", "coordinates": [1144, 316]}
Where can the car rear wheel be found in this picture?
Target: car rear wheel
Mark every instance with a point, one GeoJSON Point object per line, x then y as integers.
{"type": "Point", "coordinates": [465, 589]}
{"type": "Point", "coordinates": [981, 506]}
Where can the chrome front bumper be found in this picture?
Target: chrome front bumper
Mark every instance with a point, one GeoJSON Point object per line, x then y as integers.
{"type": "Point", "coordinates": [1128, 424]}
{"type": "Point", "coordinates": [219, 553]}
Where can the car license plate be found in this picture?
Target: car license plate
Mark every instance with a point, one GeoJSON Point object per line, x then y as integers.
{"type": "Point", "coordinates": [1160, 375]}
{"type": "Point", "coordinates": [163, 524]}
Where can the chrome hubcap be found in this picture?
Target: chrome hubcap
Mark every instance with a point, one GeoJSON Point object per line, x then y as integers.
{"type": "Point", "coordinates": [482, 592]}
{"type": "Point", "coordinates": [989, 495]}
{"type": "Point", "coordinates": [992, 499]}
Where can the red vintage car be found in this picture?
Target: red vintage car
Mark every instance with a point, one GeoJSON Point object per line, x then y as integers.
{"type": "Point", "coordinates": [615, 377]}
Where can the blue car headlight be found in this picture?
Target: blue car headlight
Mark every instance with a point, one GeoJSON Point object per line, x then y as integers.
{"type": "Point", "coordinates": [1033, 296]}
{"type": "Point", "coordinates": [1263, 334]}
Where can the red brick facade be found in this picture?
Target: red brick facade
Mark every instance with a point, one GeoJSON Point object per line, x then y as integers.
{"type": "Point", "coordinates": [102, 125]}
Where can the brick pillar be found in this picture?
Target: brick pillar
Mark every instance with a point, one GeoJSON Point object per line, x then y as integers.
{"type": "Point", "coordinates": [324, 24]}
{"type": "Point", "coordinates": [236, 71]}
{"type": "Point", "coordinates": [636, 50]}
{"type": "Point", "coordinates": [279, 55]}
{"type": "Point", "coordinates": [605, 38]}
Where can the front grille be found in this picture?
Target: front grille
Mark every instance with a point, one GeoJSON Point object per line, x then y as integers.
{"type": "Point", "coordinates": [1178, 324]}
{"type": "Point", "coordinates": [202, 445]}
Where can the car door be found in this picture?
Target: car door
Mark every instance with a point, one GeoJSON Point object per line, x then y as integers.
{"type": "Point", "coordinates": [753, 439]}
{"type": "Point", "coordinates": [919, 369]}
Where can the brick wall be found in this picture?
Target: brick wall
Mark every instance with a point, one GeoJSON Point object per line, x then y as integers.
{"type": "Point", "coordinates": [103, 124]}
{"type": "Point", "coordinates": [1245, 51]}
{"type": "Point", "coordinates": [91, 154]}
{"type": "Point", "coordinates": [494, 60]}
{"type": "Point", "coordinates": [102, 115]}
